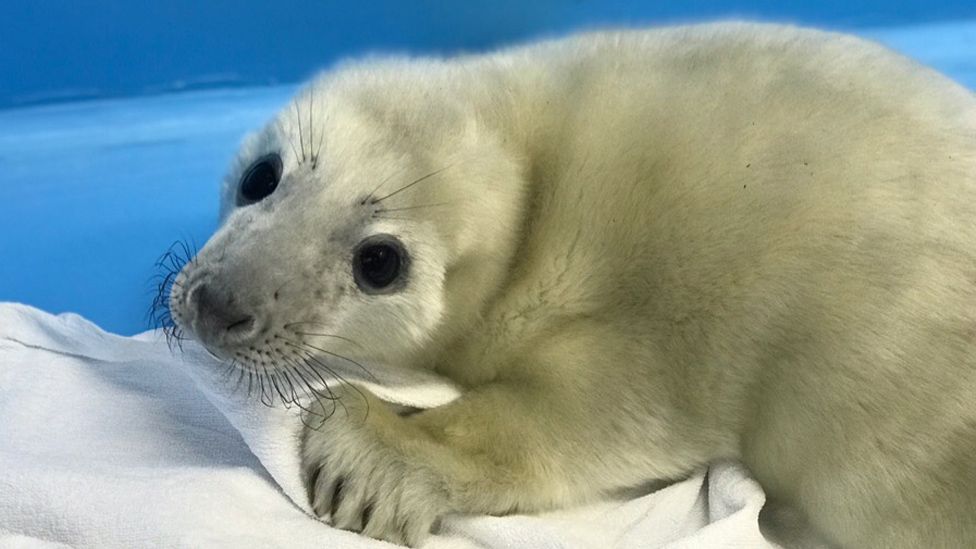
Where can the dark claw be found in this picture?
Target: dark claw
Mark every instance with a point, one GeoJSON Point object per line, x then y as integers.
{"type": "Point", "coordinates": [367, 514]}
{"type": "Point", "coordinates": [336, 496]}
{"type": "Point", "coordinates": [312, 482]}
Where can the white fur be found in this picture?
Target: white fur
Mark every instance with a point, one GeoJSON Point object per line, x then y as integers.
{"type": "Point", "coordinates": [658, 248]}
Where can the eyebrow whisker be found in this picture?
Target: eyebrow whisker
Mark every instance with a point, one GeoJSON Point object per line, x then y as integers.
{"type": "Point", "coordinates": [411, 184]}
{"type": "Point", "coordinates": [301, 134]}
{"type": "Point", "coordinates": [405, 208]}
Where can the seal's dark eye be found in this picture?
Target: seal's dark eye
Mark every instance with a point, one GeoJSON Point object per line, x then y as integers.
{"type": "Point", "coordinates": [260, 180]}
{"type": "Point", "coordinates": [379, 264]}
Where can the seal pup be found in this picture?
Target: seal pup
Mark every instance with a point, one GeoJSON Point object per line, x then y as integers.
{"type": "Point", "coordinates": [638, 252]}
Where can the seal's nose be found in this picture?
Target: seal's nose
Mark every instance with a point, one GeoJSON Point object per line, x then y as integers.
{"type": "Point", "coordinates": [220, 318]}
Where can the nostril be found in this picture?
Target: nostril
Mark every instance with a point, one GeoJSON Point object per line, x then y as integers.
{"type": "Point", "coordinates": [204, 298]}
{"type": "Point", "coordinates": [241, 326]}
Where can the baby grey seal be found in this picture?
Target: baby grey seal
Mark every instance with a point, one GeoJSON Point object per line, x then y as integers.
{"type": "Point", "coordinates": [637, 252]}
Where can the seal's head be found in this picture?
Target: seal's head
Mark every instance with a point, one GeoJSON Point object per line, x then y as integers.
{"type": "Point", "coordinates": [368, 220]}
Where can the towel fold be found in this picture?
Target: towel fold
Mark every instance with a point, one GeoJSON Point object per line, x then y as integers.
{"type": "Point", "coordinates": [108, 441]}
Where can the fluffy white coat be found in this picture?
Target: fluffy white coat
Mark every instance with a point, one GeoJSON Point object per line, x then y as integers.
{"type": "Point", "coordinates": [638, 252]}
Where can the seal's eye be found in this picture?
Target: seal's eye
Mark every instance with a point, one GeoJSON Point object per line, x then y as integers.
{"type": "Point", "coordinates": [379, 264]}
{"type": "Point", "coordinates": [260, 180]}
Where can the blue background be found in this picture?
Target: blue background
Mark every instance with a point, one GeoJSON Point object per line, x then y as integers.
{"type": "Point", "coordinates": [62, 49]}
{"type": "Point", "coordinates": [102, 165]}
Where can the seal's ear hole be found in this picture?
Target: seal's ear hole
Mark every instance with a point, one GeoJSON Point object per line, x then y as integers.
{"type": "Point", "coordinates": [260, 179]}
{"type": "Point", "coordinates": [380, 263]}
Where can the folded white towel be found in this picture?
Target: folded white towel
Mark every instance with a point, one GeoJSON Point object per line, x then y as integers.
{"type": "Point", "coordinates": [106, 441]}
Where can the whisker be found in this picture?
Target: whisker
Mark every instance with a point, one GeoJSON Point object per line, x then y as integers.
{"type": "Point", "coordinates": [281, 395]}
{"type": "Point", "coordinates": [287, 379]}
{"type": "Point", "coordinates": [301, 349]}
{"type": "Point", "coordinates": [369, 197]}
{"type": "Point", "coordinates": [319, 397]}
{"type": "Point", "coordinates": [300, 322]}
{"type": "Point", "coordinates": [395, 218]}
{"type": "Point", "coordinates": [186, 250]}
{"type": "Point", "coordinates": [159, 316]}
{"type": "Point", "coordinates": [318, 150]}
{"type": "Point", "coordinates": [341, 357]}
{"type": "Point", "coordinates": [324, 335]}
{"type": "Point", "coordinates": [160, 262]}
{"type": "Point", "coordinates": [307, 389]}
{"type": "Point", "coordinates": [310, 357]}
{"type": "Point", "coordinates": [301, 135]}
{"type": "Point", "coordinates": [315, 372]}
{"type": "Point", "coordinates": [291, 142]}
{"type": "Point", "coordinates": [175, 262]}
{"type": "Point", "coordinates": [411, 184]}
{"type": "Point", "coordinates": [265, 392]}
{"type": "Point", "coordinates": [226, 372]}
{"type": "Point", "coordinates": [324, 384]}
{"type": "Point", "coordinates": [240, 376]}
{"type": "Point", "coordinates": [311, 128]}
{"type": "Point", "coordinates": [318, 334]}
{"type": "Point", "coordinates": [295, 367]}
{"type": "Point", "coordinates": [421, 206]}
{"type": "Point", "coordinates": [290, 388]}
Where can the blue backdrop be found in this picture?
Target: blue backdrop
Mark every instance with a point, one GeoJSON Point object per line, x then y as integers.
{"type": "Point", "coordinates": [62, 49]}
{"type": "Point", "coordinates": [100, 169]}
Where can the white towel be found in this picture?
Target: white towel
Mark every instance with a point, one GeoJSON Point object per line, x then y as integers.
{"type": "Point", "coordinates": [107, 441]}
